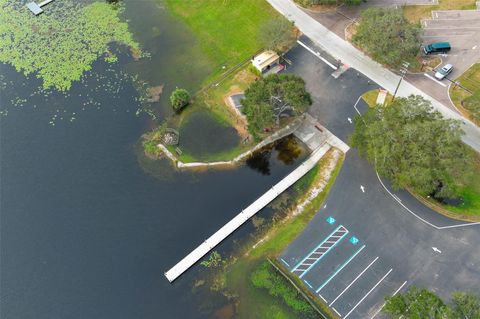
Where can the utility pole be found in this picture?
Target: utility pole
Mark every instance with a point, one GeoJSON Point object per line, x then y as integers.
{"type": "Point", "coordinates": [403, 71]}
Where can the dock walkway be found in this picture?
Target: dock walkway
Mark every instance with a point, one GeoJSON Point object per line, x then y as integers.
{"type": "Point", "coordinates": [246, 214]}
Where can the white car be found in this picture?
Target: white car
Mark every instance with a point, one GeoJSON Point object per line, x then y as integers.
{"type": "Point", "coordinates": [444, 71]}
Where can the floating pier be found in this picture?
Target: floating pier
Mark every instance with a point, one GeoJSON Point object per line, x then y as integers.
{"type": "Point", "coordinates": [187, 262]}
{"type": "Point", "coordinates": [37, 8]}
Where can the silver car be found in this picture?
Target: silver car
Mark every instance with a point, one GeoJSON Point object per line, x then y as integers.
{"type": "Point", "coordinates": [444, 71]}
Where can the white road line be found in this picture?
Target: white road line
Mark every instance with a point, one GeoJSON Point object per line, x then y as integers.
{"type": "Point", "coordinates": [317, 55]}
{"type": "Point", "coordinates": [380, 309]}
{"type": "Point", "coordinates": [474, 47]}
{"type": "Point", "coordinates": [359, 275]}
{"type": "Point", "coordinates": [420, 218]}
{"type": "Point", "coordinates": [435, 80]}
{"type": "Point", "coordinates": [368, 293]}
{"type": "Point", "coordinates": [336, 311]}
{"type": "Point", "coordinates": [355, 105]}
{"type": "Point", "coordinates": [460, 225]}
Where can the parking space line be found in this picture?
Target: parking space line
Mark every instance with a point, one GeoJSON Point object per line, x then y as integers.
{"type": "Point", "coordinates": [368, 293]}
{"type": "Point", "coordinates": [340, 268]}
{"type": "Point", "coordinates": [356, 278]}
{"type": "Point", "coordinates": [308, 284]}
{"type": "Point", "coordinates": [435, 80]}
{"type": "Point", "coordinates": [285, 262]}
{"type": "Point", "coordinates": [380, 309]}
{"type": "Point", "coordinates": [338, 313]}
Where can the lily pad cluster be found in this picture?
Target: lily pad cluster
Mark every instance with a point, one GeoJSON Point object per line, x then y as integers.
{"type": "Point", "coordinates": [61, 44]}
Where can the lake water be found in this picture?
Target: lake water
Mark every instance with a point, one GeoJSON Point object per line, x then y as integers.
{"type": "Point", "coordinates": [88, 225]}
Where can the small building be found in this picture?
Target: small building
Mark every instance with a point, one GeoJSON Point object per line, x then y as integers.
{"type": "Point", "coordinates": [265, 60]}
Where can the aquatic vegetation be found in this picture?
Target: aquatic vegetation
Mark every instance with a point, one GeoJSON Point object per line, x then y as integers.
{"type": "Point", "coordinates": [63, 42]}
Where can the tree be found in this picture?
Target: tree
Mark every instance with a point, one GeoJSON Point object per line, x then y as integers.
{"type": "Point", "coordinates": [179, 99]}
{"type": "Point", "coordinates": [413, 146]}
{"type": "Point", "coordinates": [420, 303]}
{"type": "Point", "coordinates": [388, 36]}
{"type": "Point", "coordinates": [271, 97]}
{"type": "Point", "coordinates": [277, 34]}
{"type": "Point", "coordinates": [416, 303]}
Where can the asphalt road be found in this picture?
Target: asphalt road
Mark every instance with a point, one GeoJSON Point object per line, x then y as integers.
{"type": "Point", "coordinates": [402, 241]}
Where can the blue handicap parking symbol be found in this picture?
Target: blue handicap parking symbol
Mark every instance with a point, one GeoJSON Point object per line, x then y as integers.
{"type": "Point", "coordinates": [354, 240]}
{"type": "Point", "coordinates": [331, 220]}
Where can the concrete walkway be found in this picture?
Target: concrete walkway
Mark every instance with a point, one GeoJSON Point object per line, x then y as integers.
{"type": "Point", "coordinates": [340, 49]}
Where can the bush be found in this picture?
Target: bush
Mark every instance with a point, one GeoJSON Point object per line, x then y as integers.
{"type": "Point", "coordinates": [267, 277]}
{"type": "Point", "coordinates": [179, 99]}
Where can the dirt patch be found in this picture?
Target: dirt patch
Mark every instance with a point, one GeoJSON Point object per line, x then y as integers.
{"type": "Point", "coordinates": [153, 93]}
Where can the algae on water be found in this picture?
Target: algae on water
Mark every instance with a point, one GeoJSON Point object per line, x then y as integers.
{"type": "Point", "coordinates": [63, 42]}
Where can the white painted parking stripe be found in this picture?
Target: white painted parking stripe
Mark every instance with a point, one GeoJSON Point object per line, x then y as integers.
{"type": "Point", "coordinates": [368, 293]}
{"type": "Point", "coordinates": [308, 283]}
{"type": "Point", "coordinates": [336, 311]}
{"type": "Point", "coordinates": [359, 275]}
{"type": "Point", "coordinates": [340, 268]}
{"type": "Point", "coordinates": [435, 80]}
{"type": "Point", "coordinates": [317, 54]}
{"type": "Point", "coordinates": [380, 309]}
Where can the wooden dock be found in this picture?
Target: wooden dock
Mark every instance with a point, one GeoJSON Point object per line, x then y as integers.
{"type": "Point", "coordinates": [189, 260]}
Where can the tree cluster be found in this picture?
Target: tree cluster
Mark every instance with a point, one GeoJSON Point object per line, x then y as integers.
{"type": "Point", "coordinates": [421, 303]}
{"type": "Point", "coordinates": [412, 145]}
{"type": "Point", "coordinates": [277, 34]}
{"type": "Point", "coordinates": [269, 98]}
{"type": "Point", "coordinates": [387, 36]}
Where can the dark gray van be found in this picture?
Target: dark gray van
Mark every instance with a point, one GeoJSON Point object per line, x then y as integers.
{"type": "Point", "coordinates": [437, 47]}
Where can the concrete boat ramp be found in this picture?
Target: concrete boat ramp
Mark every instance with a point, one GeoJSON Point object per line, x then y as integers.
{"type": "Point", "coordinates": [318, 139]}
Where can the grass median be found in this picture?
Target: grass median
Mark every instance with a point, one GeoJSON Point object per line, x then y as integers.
{"type": "Point", "coordinates": [415, 13]}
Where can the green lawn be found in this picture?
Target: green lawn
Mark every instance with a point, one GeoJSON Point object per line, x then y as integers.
{"type": "Point", "coordinates": [470, 209]}
{"type": "Point", "coordinates": [416, 13]}
{"type": "Point", "coordinates": [226, 29]}
{"type": "Point", "coordinates": [370, 97]}
{"type": "Point", "coordinates": [471, 81]}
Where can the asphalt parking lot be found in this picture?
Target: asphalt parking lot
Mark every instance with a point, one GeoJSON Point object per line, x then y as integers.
{"type": "Point", "coordinates": [462, 29]}
{"type": "Point", "coordinates": [368, 241]}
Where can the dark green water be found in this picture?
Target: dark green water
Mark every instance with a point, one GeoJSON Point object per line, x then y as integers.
{"type": "Point", "coordinates": [85, 231]}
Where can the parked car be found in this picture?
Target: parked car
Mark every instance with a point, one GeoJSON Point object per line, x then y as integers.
{"type": "Point", "coordinates": [444, 71]}
{"type": "Point", "coordinates": [437, 47]}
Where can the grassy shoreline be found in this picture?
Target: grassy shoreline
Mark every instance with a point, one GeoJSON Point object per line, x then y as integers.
{"type": "Point", "coordinates": [271, 242]}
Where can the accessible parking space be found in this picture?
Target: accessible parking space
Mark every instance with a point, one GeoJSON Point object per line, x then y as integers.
{"type": "Point", "coordinates": [311, 243]}
{"type": "Point", "coordinates": [337, 266]}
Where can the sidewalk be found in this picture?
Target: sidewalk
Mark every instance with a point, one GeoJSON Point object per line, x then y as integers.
{"type": "Point", "coordinates": [340, 49]}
